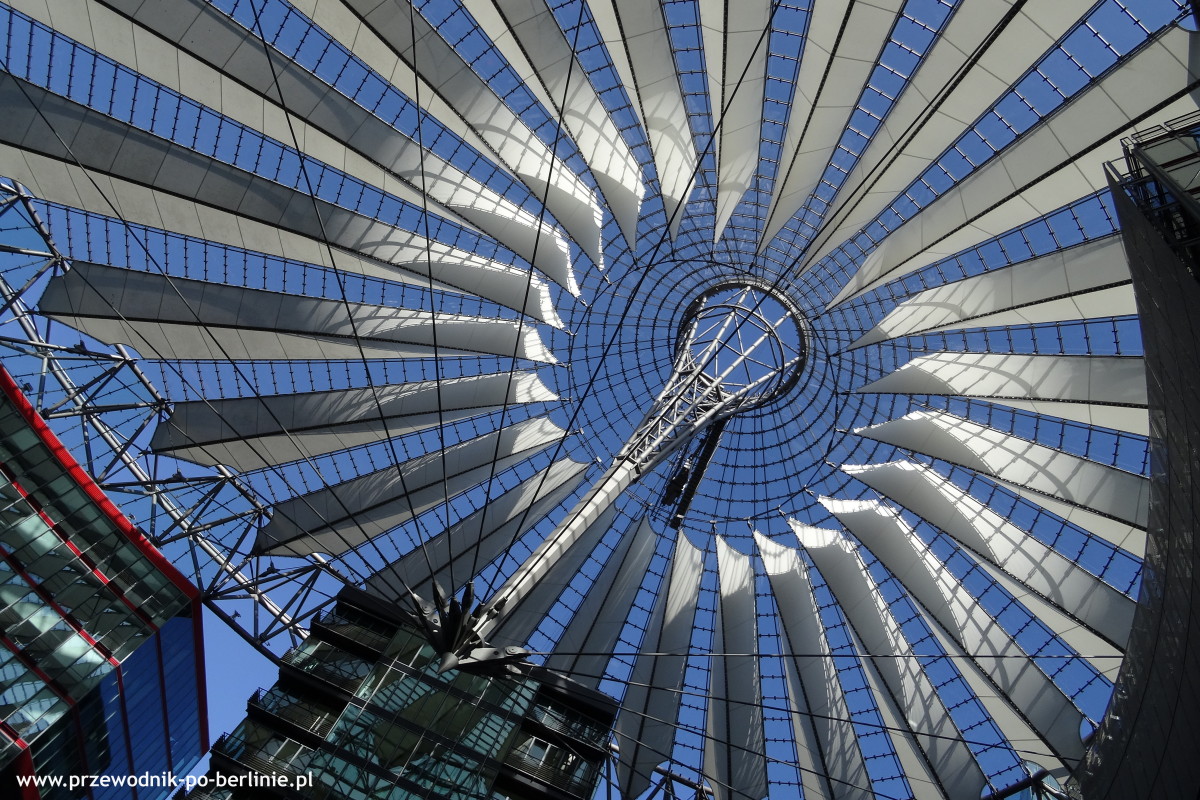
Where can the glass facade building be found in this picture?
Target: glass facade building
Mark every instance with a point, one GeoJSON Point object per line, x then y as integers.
{"type": "Point", "coordinates": [361, 710]}
{"type": "Point", "coordinates": [101, 669]}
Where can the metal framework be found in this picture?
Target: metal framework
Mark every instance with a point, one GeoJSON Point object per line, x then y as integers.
{"type": "Point", "coordinates": [79, 408]}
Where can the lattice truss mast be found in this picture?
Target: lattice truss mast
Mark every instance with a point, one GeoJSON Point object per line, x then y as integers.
{"type": "Point", "coordinates": [374, 292]}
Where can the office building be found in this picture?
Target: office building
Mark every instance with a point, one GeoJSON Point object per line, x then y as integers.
{"type": "Point", "coordinates": [102, 671]}
{"type": "Point", "coordinates": [362, 709]}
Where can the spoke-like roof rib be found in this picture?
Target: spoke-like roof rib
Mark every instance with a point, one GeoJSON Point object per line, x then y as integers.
{"type": "Point", "coordinates": [1106, 391]}
{"type": "Point", "coordinates": [452, 556]}
{"type": "Point", "coordinates": [824, 733]}
{"type": "Point", "coordinates": [591, 635]}
{"type": "Point", "coordinates": [644, 730]}
{"type": "Point", "coordinates": [337, 518]}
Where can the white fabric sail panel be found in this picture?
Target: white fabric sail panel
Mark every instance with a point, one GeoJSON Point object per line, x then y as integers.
{"type": "Point", "coordinates": [1101, 390]}
{"type": "Point", "coordinates": [520, 618]}
{"type": "Point", "coordinates": [188, 187]}
{"type": "Point", "coordinates": [735, 763]}
{"type": "Point", "coordinates": [53, 125]}
{"type": "Point", "coordinates": [1108, 380]}
{"type": "Point", "coordinates": [60, 182]}
{"type": "Point", "coordinates": [821, 724]}
{"type": "Point", "coordinates": [338, 132]}
{"type": "Point", "coordinates": [945, 600]}
{"type": "Point", "coordinates": [914, 765]}
{"type": "Point", "coordinates": [1056, 162]}
{"type": "Point", "coordinates": [584, 649]}
{"type": "Point", "coordinates": [381, 34]}
{"type": "Point", "coordinates": [1131, 538]}
{"type": "Point", "coordinates": [843, 45]}
{"type": "Point", "coordinates": [635, 35]}
{"type": "Point", "coordinates": [529, 37]}
{"type": "Point", "coordinates": [736, 46]}
{"type": "Point", "coordinates": [454, 556]}
{"type": "Point", "coordinates": [923, 710]}
{"type": "Point", "coordinates": [975, 60]}
{"type": "Point", "coordinates": [340, 517]}
{"type": "Point", "coordinates": [1052, 288]}
{"type": "Point", "coordinates": [173, 318]}
{"type": "Point", "coordinates": [450, 268]}
{"type": "Point", "coordinates": [1011, 459]}
{"type": "Point", "coordinates": [1131, 419]}
{"type": "Point", "coordinates": [1012, 721]}
{"type": "Point", "coordinates": [505, 285]}
{"type": "Point", "coordinates": [231, 48]}
{"type": "Point", "coordinates": [255, 88]}
{"type": "Point", "coordinates": [645, 728]}
{"type": "Point", "coordinates": [993, 538]}
{"type": "Point", "coordinates": [249, 433]}
{"type": "Point", "coordinates": [1104, 657]}
{"type": "Point", "coordinates": [424, 178]}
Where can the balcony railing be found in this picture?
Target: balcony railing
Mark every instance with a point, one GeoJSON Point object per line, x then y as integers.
{"type": "Point", "coordinates": [354, 631]}
{"type": "Point", "coordinates": [256, 759]}
{"type": "Point", "coordinates": [575, 784]}
{"type": "Point", "coordinates": [320, 668]}
{"type": "Point", "coordinates": [307, 716]}
{"type": "Point", "coordinates": [571, 725]}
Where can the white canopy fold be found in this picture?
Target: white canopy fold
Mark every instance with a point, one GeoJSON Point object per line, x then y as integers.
{"type": "Point", "coordinates": [734, 759]}
{"type": "Point", "coordinates": [1011, 459]}
{"type": "Point", "coordinates": [832, 762]}
{"type": "Point", "coordinates": [180, 318]}
{"type": "Point", "coordinates": [453, 556]}
{"type": "Point", "coordinates": [345, 515]}
{"type": "Point", "coordinates": [645, 728]}
{"type": "Point", "coordinates": [250, 433]}
{"type": "Point", "coordinates": [583, 650]}
{"type": "Point", "coordinates": [1109, 391]}
{"type": "Point", "coordinates": [1082, 282]}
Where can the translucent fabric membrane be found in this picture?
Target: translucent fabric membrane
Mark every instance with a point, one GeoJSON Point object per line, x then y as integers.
{"type": "Point", "coordinates": [376, 292]}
